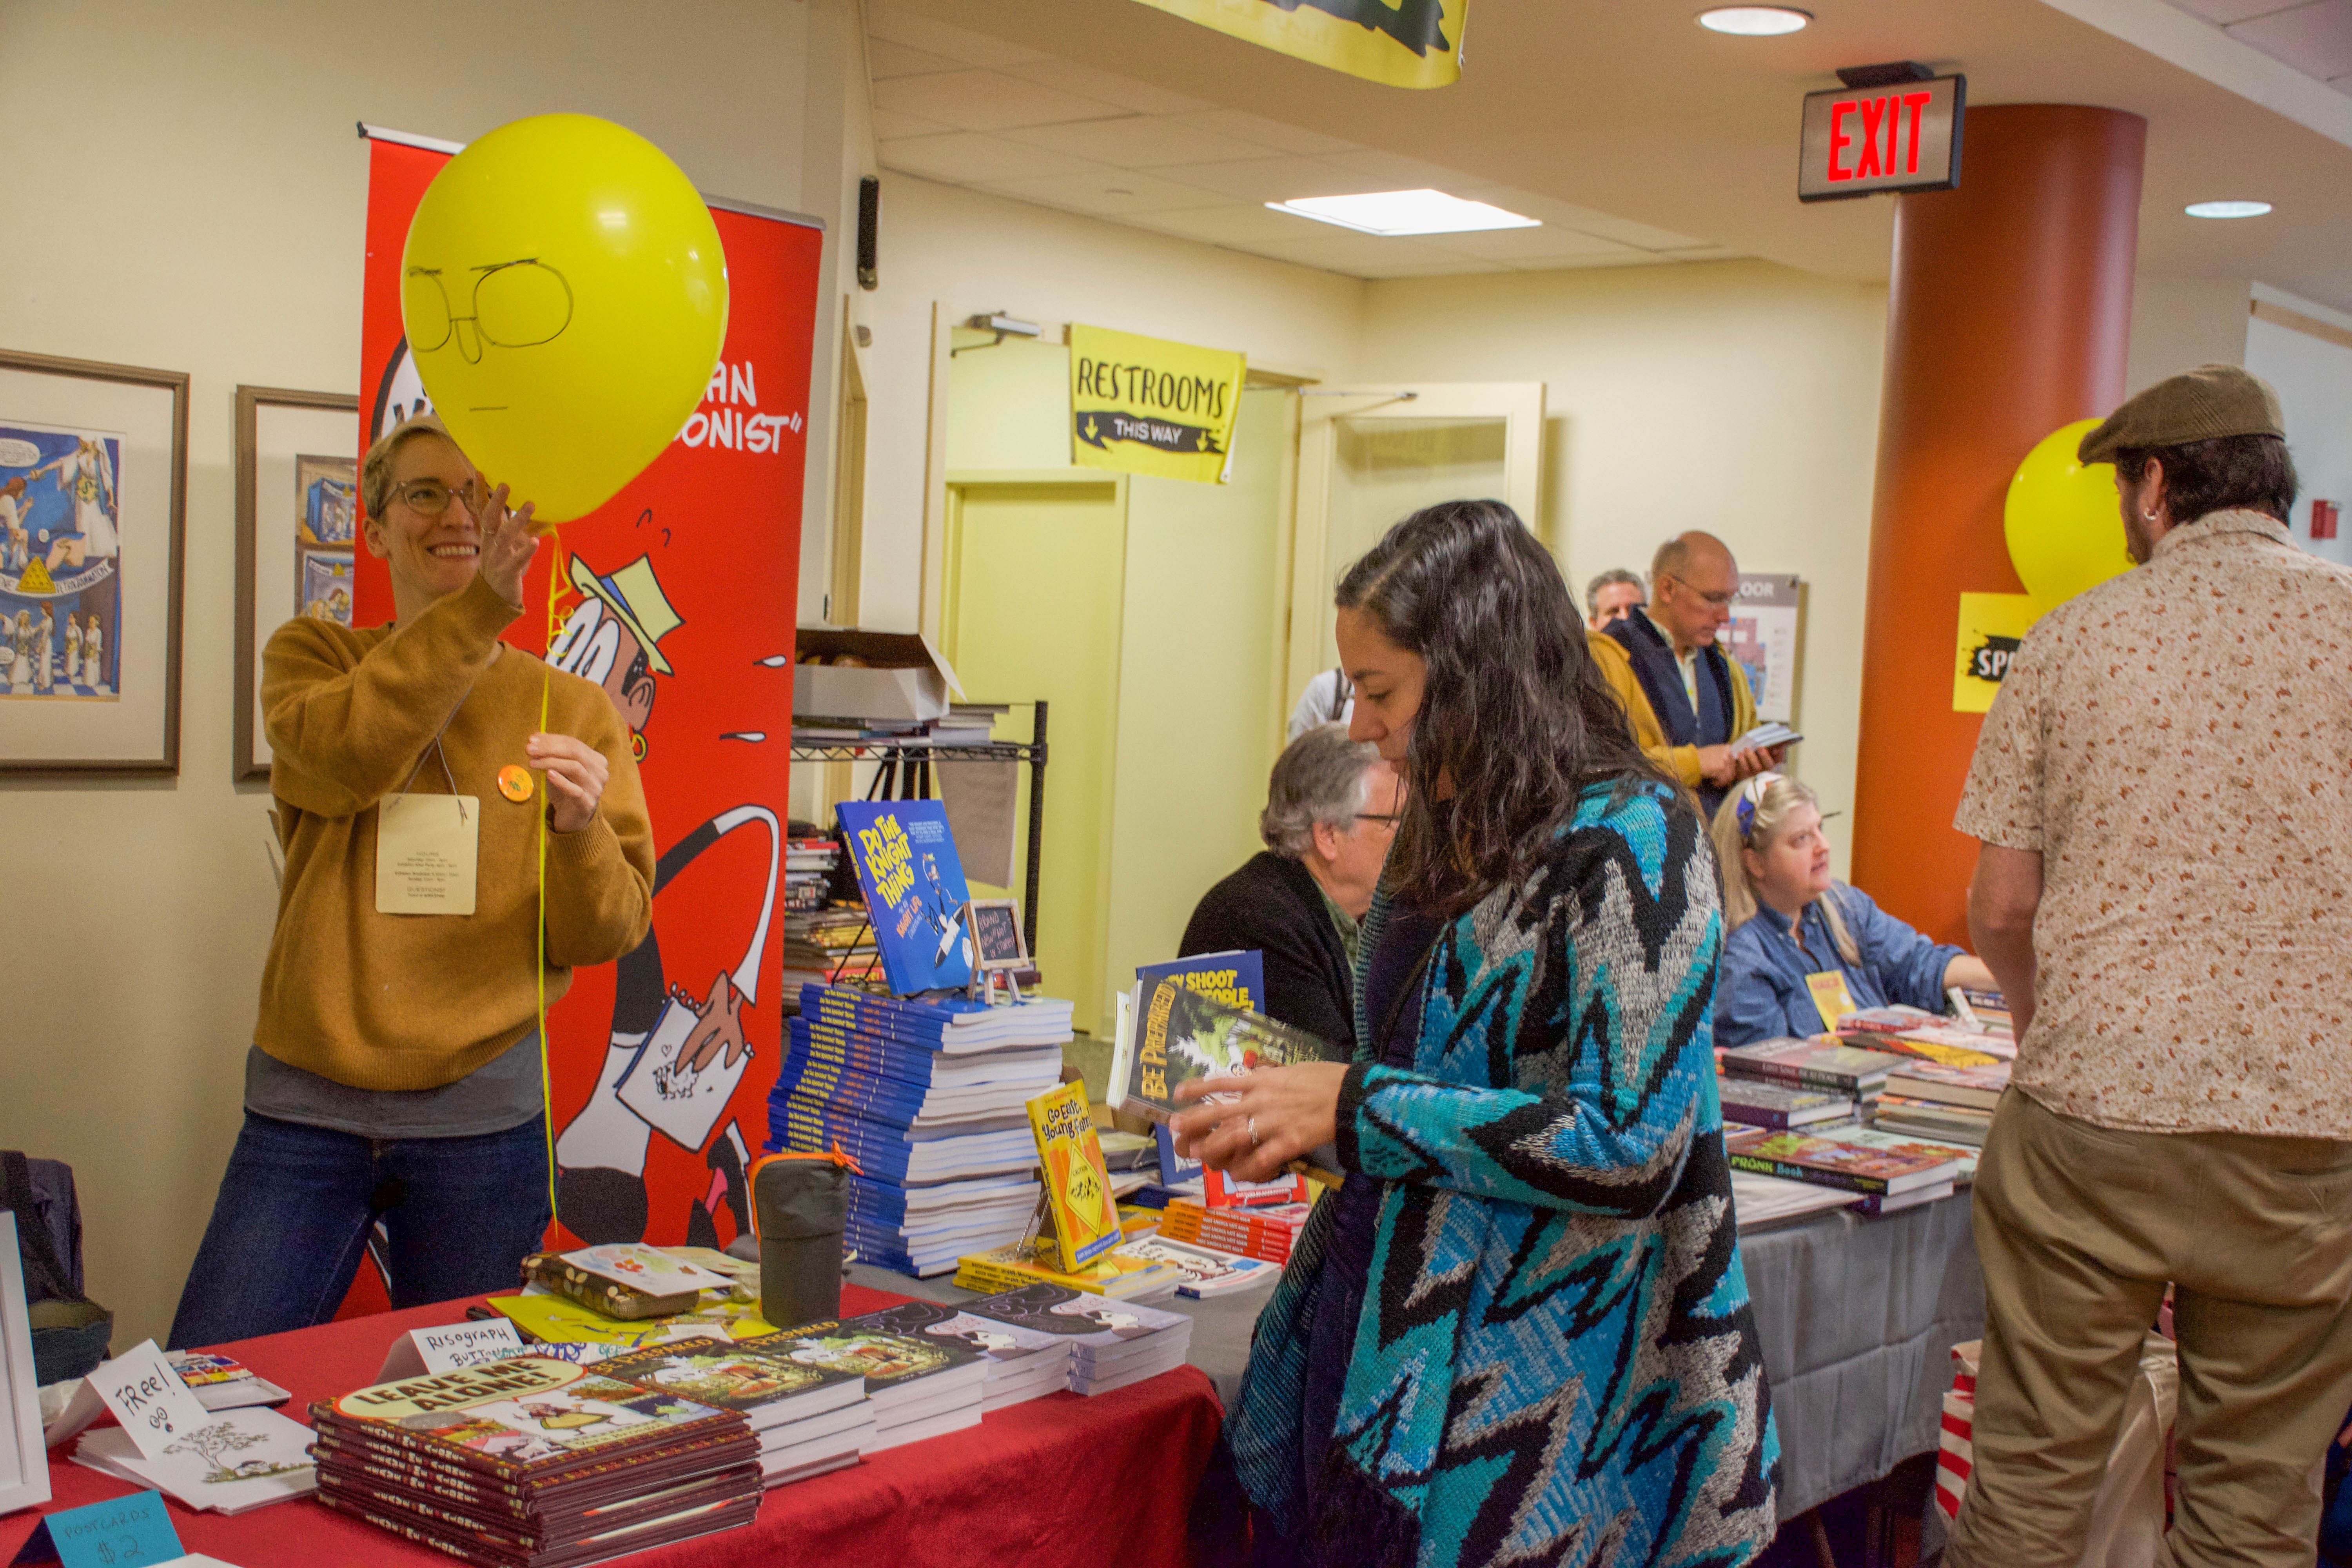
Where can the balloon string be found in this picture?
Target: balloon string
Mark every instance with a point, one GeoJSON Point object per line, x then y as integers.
{"type": "Point", "coordinates": [546, 1081]}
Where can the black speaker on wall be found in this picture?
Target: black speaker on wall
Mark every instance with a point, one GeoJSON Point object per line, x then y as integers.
{"type": "Point", "coordinates": [869, 223]}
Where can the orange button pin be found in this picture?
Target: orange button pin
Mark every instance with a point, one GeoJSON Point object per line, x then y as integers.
{"type": "Point", "coordinates": [515, 783]}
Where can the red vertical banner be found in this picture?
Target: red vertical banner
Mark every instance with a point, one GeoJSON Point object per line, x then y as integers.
{"type": "Point", "coordinates": [676, 596]}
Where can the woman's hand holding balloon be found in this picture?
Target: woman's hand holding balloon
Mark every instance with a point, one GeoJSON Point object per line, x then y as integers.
{"type": "Point", "coordinates": [1277, 1115]}
{"type": "Point", "coordinates": [508, 542]}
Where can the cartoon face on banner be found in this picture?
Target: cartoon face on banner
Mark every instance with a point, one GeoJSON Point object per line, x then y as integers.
{"type": "Point", "coordinates": [669, 597]}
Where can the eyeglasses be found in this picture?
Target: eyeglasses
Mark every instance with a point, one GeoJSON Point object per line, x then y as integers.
{"type": "Point", "coordinates": [1390, 817]}
{"type": "Point", "coordinates": [1719, 601]}
{"type": "Point", "coordinates": [431, 498]}
{"type": "Point", "coordinates": [511, 304]}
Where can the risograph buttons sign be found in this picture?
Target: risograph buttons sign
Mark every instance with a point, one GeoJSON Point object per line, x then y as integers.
{"type": "Point", "coordinates": [1904, 136]}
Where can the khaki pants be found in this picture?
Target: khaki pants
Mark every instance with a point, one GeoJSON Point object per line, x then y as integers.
{"type": "Point", "coordinates": [2080, 1230]}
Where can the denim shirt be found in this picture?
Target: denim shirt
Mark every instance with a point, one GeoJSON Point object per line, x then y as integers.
{"type": "Point", "coordinates": [1760, 993]}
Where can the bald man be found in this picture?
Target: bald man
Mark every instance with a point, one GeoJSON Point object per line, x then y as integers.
{"type": "Point", "coordinates": [1686, 701]}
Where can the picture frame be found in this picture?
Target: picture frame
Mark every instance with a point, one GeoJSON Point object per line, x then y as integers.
{"type": "Point", "coordinates": [296, 545]}
{"type": "Point", "coordinates": [93, 511]}
{"type": "Point", "coordinates": [996, 936]}
{"type": "Point", "coordinates": [23, 1458]}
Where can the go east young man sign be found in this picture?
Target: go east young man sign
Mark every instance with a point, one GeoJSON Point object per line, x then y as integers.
{"type": "Point", "coordinates": [1903, 136]}
{"type": "Point", "coordinates": [1146, 406]}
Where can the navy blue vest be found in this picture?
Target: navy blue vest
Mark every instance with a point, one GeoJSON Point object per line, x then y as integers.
{"type": "Point", "coordinates": [1661, 677]}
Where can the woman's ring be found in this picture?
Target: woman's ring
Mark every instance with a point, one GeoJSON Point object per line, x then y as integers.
{"type": "Point", "coordinates": [1252, 1132]}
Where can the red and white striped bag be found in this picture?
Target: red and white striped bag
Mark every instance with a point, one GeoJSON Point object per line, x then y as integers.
{"type": "Point", "coordinates": [2133, 1508]}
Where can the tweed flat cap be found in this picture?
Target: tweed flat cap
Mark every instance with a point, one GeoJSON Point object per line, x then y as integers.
{"type": "Point", "coordinates": [2211, 401]}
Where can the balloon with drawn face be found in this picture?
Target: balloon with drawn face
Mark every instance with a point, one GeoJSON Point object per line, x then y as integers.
{"type": "Point", "coordinates": [564, 294]}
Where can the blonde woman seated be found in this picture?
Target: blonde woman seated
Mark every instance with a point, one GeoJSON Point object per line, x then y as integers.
{"type": "Point", "coordinates": [1788, 919]}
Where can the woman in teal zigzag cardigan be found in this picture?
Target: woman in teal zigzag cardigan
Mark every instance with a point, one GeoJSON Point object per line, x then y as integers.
{"type": "Point", "coordinates": [1519, 1333]}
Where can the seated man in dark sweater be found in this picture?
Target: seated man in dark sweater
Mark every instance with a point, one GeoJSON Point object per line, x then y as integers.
{"type": "Point", "coordinates": [1330, 814]}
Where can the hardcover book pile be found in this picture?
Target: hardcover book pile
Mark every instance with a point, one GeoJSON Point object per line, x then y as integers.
{"type": "Point", "coordinates": [1112, 1343]}
{"type": "Point", "coordinates": [926, 1096]}
{"type": "Point", "coordinates": [531, 1460]}
{"type": "Point", "coordinates": [1888, 1172]}
{"type": "Point", "coordinates": [809, 1416]}
{"type": "Point", "coordinates": [916, 1387]}
{"type": "Point", "coordinates": [1266, 1232]}
{"type": "Point", "coordinates": [825, 942]}
{"type": "Point", "coordinates": [809, 866]}
{"type": "Point", "coordinates": [1022, 1363]}
{"type": "Point", "coordinates": [1952, 1075]}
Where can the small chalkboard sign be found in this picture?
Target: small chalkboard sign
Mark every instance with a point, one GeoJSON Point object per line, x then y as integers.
{"type": "Point", "coordinates": [996, 932]}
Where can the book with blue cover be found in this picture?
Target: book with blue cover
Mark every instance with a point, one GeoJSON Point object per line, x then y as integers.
{"type": "Point", "coordinates": [915, 891]}
{"type": "Point", "coordinates": [886, 1055]}
{"type": "Point", "coordinates": [1236, 978]}
{"type": "Point", "coordinates": [953, 1025]}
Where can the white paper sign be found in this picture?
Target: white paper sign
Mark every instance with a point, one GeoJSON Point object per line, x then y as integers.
{"type": "Point", "coordinates": [421, 1351]}
{"type": "Point", "coordinates": [148, 1397]}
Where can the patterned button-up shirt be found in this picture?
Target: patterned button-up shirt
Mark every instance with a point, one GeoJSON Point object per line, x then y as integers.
{"type": "Point", "coordinates": [2176, 743]}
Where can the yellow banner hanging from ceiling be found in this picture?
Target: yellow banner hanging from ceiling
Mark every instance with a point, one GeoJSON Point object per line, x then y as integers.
{"type": "Point", "coordinates": [1410, 43]}
{"type": "Point", "coordinates": [1146, 406]}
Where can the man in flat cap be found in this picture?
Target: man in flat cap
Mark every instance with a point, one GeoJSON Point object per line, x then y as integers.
{"type": "Point", "coordinates": [2162, 795]}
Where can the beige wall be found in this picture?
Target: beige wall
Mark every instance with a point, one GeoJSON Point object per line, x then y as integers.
{"type": "Point", "coordinates": [972, 252]}
{"type": "Point", "coordinates": [197, 204]}
{"type": "Point", "coordinates": [1737, 396]}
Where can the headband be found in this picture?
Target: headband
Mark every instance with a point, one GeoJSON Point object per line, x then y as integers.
{"type": "Point", "coordinates": [1751, 796]}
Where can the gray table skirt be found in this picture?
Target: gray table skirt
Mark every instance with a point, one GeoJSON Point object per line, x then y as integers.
{"type": "Point", "coordinates": [1857, 1318]}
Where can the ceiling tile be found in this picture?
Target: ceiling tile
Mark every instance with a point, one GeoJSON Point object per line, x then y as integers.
{"type": "Point", "coordinates": [1368, 256]}
{"type": "Point", "coordinates": [1274, 179]}
{"type": "Point", "coordinates": [917, 32]}
{"type": "Point", "coordinates": [2314, 38]}
{"type": "Point", "coordinates": [984, 101]}
{"type": "Point", "coordinates": [1138, 142]}
{"type": "Point", "coordinates": [965, 158]}
{"type": "Point", "coordinates": [1515, 245]}
{"type": "Point", "coordinates": [1118, 193]}
{"type": "Point", "coordinates": [1240, 226]}
{"type": "Point", "coordinates": [891, 127]}
{"type": "Point", "coordinates": [1133, 96]}
{"type": "Point", "coordinates": [1398, 172]}
{"type": "Point", "coordinates": [1271, 134]}
{"type": "Point", "coordinates": [885, 60]}
{"type": "Point", "coordinates": [1579, 263]}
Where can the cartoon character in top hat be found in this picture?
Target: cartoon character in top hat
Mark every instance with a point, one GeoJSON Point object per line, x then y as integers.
{"type": "Point", "coordinates": [613, 638]}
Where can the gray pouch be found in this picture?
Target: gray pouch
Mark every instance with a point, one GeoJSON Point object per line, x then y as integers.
{"type": "Point", "coordinates": [800, 1206]}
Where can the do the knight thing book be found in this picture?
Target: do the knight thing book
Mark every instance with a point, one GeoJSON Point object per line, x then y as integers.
{"type": "Point", "coordinates": [1078, 1185]}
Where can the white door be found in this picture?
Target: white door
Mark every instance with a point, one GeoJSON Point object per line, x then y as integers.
{"type": "Point", "coordinates": [1370, 456]}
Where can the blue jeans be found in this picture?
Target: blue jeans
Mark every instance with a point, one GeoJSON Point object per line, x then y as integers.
{"type": "Point", "coordinates": [297, 1204]}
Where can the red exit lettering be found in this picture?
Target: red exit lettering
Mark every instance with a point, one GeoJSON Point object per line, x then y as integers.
{"type": "Point", "coordinates": [1889, 141]}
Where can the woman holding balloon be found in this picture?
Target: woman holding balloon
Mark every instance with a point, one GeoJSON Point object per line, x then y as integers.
{"type": "Point", "coordinates": [395, 1073]}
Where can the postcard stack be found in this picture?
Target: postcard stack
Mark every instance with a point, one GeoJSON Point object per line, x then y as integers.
{"type": "Point", "coordinates": [1112, 1343]}
{"type": "Point", "coordinates": [531, 1460]}
{"type": "Point", "coordinates": [917, 1386]}
{"type": "Point", "coordinates": [809, 1416]}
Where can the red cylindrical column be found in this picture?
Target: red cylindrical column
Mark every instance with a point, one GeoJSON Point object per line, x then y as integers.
{"type": "Point", "coordinates": [2008, 316]}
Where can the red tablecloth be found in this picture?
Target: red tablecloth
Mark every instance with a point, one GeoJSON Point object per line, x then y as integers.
{"type": "Point", "coordinates": [1062, 1479]}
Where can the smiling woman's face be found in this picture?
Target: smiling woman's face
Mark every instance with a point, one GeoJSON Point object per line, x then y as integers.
{"type": "Point", "coordinates": [429, 556]}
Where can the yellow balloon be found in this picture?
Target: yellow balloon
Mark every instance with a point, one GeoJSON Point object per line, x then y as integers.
{"type": "Point", "coordinates": [565, 295]}
{"type": "Point", "coordinates": [2064, 529]}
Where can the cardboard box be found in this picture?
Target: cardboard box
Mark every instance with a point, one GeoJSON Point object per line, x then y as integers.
{"type": "Point", "coordinates": [900, 676]}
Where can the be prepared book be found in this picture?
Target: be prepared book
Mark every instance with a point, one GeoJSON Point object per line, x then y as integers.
{"type": "Point", "coordinates": [1170, 1034]}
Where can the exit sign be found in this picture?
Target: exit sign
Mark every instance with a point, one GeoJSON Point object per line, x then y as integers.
{"type": "Point", "coordinates": [1904, 136]}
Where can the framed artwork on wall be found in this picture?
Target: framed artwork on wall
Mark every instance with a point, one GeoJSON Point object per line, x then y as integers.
{"type": "Point", "coordinates": [297, 527]}
{"type": "Point", "coordinates": [93, 493]}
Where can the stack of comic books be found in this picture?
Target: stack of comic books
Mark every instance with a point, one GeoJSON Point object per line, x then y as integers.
{"type": "Point", "coordinates": [917, 1386]}
{"type": "Point", "coordinates": [1021, 1361]}
{"type": "Point", "coordinates": [811, 1416]}
{"type": "Point", "coordinates": [1112, 1343]}
{"type": "Point", "coordinates": [1266, 1232]}
{"type": "Point", "coordinates": [531, 1460]}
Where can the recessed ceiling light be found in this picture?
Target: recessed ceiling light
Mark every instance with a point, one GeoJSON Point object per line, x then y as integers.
{"type": "Point", "coordinates": [1754, 21]}
{"type": "Point", "coordinates": [1404, 212]}
{"type": "Point", "coordinates": [2227, 209]}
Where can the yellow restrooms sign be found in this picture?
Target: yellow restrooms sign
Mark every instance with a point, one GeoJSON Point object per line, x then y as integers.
{"type": "Point", "coordinates": [1411, 43]}
{"type": "Point", "coordinates": [1145, 406]}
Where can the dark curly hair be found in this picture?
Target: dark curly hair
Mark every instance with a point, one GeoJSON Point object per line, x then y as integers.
{"type": "Point", "coordinates": [1514, 716]}
{"type": "Point", "coordinates": [2227, 472]}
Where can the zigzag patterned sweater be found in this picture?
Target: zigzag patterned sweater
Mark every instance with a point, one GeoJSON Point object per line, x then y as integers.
{"type": "Point", "coordinates": [1556, 1362]}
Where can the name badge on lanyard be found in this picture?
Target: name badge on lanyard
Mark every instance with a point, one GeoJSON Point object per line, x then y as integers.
{"type": "Point", "coordinates": [1832, 1000]}
{"type": "Point", "coordinates": [426, 846]}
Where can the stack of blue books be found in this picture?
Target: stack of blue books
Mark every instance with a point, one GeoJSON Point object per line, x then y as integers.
{"type": "Point", "coordinates": [926, 1095]}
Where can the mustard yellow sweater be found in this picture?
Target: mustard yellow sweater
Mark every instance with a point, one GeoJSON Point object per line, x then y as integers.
{"type": "Point", "coordinates": [395, 1002]}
